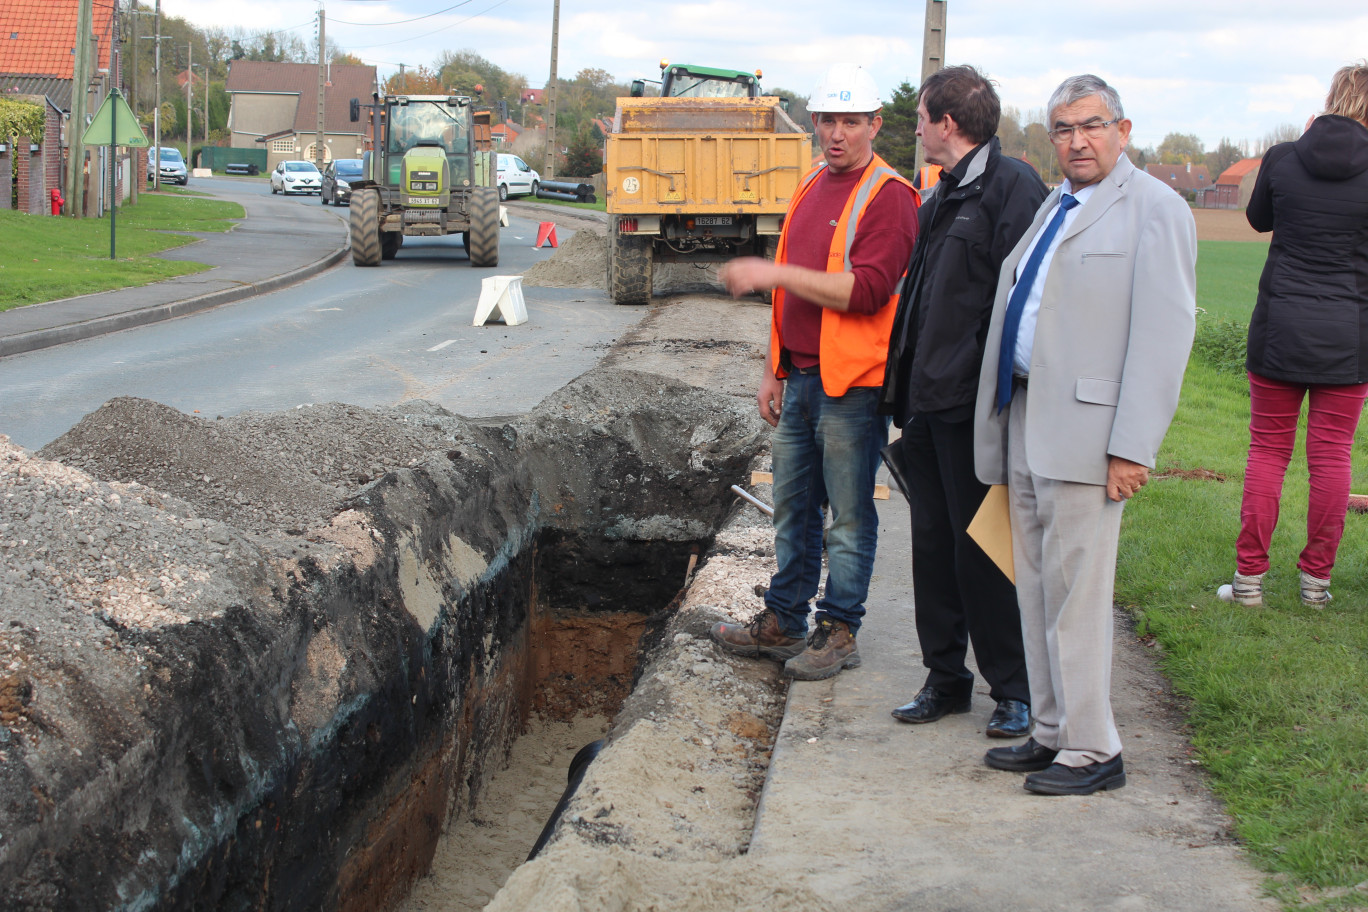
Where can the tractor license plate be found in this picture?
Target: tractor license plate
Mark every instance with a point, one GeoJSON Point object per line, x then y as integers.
{"type": "Point", "coordinates": [421, 201]}
{"type": "Point", "coordinates": [713, 220]}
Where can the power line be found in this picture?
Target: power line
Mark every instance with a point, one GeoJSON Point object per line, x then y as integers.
{"type": "Point", "coordinates": [442, 29]}
{"type": "Point", "coordinates": [406, 21]}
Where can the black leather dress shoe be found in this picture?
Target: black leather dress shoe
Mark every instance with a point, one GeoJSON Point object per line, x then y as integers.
{"type": "Point", "coordinates": [1011, 719]}
{"type": "Point", "coordinates": [1059, 779]}
{"type": "Point", "coordinates": [1021, 758]}
{"type": "Point", "coordinates": [929, 705]}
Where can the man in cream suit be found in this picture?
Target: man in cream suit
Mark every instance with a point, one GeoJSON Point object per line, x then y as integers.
{"type": "Point", "coordinates": [1091, 329]}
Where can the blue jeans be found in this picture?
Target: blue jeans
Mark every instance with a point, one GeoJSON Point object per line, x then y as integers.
{"type": "Point", "coordinates": [824, 449]}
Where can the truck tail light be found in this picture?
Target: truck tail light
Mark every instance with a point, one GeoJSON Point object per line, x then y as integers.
{"type": "Point", "coordinates": [627, 224]}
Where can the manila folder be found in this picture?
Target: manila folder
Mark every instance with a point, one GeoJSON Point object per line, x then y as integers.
{"type": "Point", "coordinates": [992, 529]}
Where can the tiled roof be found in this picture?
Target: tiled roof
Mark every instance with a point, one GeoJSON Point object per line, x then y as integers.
{"type": "Point", "coordinates": [1236, 172]}
{"type": "Point", "coordinates": [1179, 177]}
{"type": "Point", "coordinates": [58, 91]}
{"type": "Point", "coordinates": [348, 81]}
{"type": "Point", "coordinates": [38, 37]}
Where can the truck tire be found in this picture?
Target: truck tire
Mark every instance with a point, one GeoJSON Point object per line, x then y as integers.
{"type": "Point", "coordinates": [484, 227]}
{"type": "Point", "coordinates": [629, 269]}
{"type": "Point", "coordinates": [390, 242]}
{"type": "Point", "coordinates": [364, 224]}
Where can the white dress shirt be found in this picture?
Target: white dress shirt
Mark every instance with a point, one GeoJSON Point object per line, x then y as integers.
{"type": "Point", "coordinates": [1025, 341]}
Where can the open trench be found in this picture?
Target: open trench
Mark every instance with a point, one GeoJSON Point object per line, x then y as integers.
{"type": "Point", "coordinates": [306, 661]}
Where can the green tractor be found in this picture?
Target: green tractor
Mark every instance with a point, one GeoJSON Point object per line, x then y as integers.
{"type": "Point", "coordinates": [431, 173]}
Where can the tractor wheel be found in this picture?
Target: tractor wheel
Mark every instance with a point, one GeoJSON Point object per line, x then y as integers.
{"type": "Point", "coordinates": [629, 269]}
{"type": "Point", "coordinates": [390, 242]}
{"type": "Point", "coordinates": [484, 227]}
{"type": "Point", "coordinates": [364, 222]}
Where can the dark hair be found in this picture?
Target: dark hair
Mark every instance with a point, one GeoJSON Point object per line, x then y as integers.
{"type": "Point", "coordinates": [966, 95]}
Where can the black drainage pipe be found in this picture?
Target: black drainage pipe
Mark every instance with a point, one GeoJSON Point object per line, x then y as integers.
{"type": "Point", "coordinates": [578, 766]}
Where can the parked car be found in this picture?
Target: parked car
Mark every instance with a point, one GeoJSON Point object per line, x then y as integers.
{"type": "Point", "coordinates": [515, 177]}
{"type": "Point", "coordinates": [173, 169]}
{"type": "Point", "coordinates": [296, 177]}
{"type": "Point", "coordinates": [337, 176]}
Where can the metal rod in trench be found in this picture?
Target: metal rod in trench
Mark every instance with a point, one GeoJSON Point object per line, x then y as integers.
{"type": "Point", "coordinates": [755, 502]}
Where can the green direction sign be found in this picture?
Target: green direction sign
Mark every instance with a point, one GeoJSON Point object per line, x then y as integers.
{"type": "Point", "coordinates": [114, 121]}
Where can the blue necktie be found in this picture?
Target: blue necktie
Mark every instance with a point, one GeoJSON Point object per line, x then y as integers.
{"type": "Point", "coordinates": [1011, 321]}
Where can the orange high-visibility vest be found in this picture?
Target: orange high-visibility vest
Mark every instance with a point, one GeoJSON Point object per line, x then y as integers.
{"type": "Point", "coordinates": [852, 347]}
{"type": "Point", "coordinates": [928, 177]}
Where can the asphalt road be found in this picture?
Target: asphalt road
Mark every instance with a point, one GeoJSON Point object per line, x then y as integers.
{"type": "Point", "coordinates": [363, 336]}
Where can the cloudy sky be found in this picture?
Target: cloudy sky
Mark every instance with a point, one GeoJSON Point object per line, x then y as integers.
{"type": "Point", "coordinates": [1214, 68]}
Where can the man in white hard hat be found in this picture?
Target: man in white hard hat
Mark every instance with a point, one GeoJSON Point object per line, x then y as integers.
{"type": "Point", "coordinates": [846, 240]}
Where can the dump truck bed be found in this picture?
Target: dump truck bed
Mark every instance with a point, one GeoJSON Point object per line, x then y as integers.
{"type": "Point", "coordinates": [704, 156]}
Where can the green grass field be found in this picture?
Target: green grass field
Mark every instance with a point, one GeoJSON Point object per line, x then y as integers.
{"type": "Point", "coordinates": [50, 258]}
{"type": "Point", "coordinates": [1277, 694]}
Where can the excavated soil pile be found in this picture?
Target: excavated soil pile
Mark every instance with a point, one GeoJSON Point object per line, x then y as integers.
{"type": "Point", "coordinates": [582, 262]}
{"type": "Point", "coordinates": [261, 662]}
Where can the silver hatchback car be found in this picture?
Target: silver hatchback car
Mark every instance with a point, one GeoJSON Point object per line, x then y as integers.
{"type": "Point", "coordinates": [172, 169]}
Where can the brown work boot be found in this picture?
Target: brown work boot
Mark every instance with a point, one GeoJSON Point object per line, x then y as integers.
{"type": "Point", "coordinates": [830, 647]}
{"type": "Point", "coordinates": [761, 637]}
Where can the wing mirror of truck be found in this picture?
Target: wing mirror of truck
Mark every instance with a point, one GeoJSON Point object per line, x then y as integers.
{"type": "Point", "coordinates": [784, 103]}
{"type": "Point", "coordinates": [354, 109]}
{"type": "Point", "coordinates": [638, 88]}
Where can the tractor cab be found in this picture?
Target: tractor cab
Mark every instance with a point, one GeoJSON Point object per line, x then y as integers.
{"type": "Point", "coordinates": [686, 81]}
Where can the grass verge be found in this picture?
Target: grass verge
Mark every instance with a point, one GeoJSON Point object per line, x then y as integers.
{"type": "Point", "coordinates": [47, 258]}
{"type": "Point", "coordinates": [1277, 694]}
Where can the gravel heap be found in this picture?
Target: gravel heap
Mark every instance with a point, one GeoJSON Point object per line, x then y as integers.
{"type": "Point", "coordinates": [121, 554]}
{"type": "Point", "coordinates": [262, 472]}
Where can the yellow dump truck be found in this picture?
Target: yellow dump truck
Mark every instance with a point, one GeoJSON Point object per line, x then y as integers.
{"type": "Point", "coordinates": [703, 173]}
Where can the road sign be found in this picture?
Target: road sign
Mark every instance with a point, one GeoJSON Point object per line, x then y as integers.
{"type": "Point", "coordinates": [114, 122]}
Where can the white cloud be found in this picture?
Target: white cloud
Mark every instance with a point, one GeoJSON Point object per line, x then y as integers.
{"type": "Point", "coordinates": [1220, 68]}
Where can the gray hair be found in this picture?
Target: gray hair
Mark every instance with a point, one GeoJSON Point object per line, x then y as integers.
{"type": "Point", "coordinates": [1076, 88]}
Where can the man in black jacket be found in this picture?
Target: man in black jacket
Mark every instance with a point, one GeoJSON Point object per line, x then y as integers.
{"type": "Point", "coordinates": [968, 225]}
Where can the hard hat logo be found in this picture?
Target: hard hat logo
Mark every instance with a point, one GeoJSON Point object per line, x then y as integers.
{"type": "Point", "coordinates": [846, 88]}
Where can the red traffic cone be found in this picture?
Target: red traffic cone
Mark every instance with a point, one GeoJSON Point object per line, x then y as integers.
{"type": "Point", "coordinates": [546, 231]}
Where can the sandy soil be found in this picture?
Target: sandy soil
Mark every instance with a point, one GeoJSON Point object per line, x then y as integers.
{"type": "Point", "coordinates": [480, 850]}
{"type": "Point", "coordinates": [1225, 225]}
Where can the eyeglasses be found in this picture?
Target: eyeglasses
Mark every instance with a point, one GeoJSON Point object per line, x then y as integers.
{"type": "Point", "coordinates": [1090, 130]}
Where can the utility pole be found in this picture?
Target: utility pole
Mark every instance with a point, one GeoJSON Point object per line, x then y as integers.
{"type": "Point", "coordinates": [550, 166]}
{"type": "Point", "coordinates": [206, 103]}
{"type": "Point", "coordinates": [80, 85]}
{"type": "Point", "coordinates": [189, 100]}
{"type": "Point", "coordinates": [156, 113]}
{"type": "Point", "coordinates": [319, 148]}
{"type": "Point", "coordinates": [933, 51]}
{"type": "Point", "coordinates": [134, 181]}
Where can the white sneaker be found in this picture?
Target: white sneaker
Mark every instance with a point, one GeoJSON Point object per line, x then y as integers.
{"type": "Point", "coordinates": [1314, 592]}
{"type": "Point", "coordinates": [1245, 590]}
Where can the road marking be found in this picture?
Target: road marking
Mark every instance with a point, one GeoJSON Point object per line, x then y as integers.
{"type": "Point", "coordinates": [437, 348]}
{"type": "Point", "coordinates": [326, 309]}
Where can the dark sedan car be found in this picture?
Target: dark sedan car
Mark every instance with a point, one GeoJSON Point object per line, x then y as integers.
{"type": "Point", "coordinates": [337, 176]}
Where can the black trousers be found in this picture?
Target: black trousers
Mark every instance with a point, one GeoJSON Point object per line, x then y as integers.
{"type": "Point", "coordinates": [961, 595]}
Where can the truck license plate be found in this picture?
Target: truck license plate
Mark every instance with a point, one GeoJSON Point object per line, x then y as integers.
{"type": "Point", "coordinates": [713, 220]}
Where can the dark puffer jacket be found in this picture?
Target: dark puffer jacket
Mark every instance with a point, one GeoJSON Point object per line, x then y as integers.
{"type": "Point", "coordinates": [1310, 325]}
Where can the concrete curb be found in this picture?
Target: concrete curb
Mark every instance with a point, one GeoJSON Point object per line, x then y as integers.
{"type": "Point", "coordinates": [87, 329]}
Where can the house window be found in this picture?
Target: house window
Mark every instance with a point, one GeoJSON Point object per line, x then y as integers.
{"type": "Point", "coordinates": [283, 145]}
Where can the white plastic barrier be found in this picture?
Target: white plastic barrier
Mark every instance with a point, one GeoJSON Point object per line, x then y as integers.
{"type": "Point", "coordinates": [504, 294]}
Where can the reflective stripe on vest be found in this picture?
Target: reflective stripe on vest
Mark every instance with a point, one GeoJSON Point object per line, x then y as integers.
{"type": "Point", "coordinates": [853, 347]}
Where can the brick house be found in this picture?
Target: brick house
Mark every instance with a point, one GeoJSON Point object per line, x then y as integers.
{"type": "Point", "coordinates": [1234, 185]}
{"type": "Point", "coordinates": [37, 64]}
{"type": "Point", "coordinates": [1187, 178]}
{"type": "Point", "coordinates": [275, 107]}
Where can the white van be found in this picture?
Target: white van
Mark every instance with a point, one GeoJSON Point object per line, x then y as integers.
{"type": "Point", "coordinates": [515, 177]}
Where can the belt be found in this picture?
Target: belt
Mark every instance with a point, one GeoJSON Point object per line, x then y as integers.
{"type": "Point", "coordinates": [808, 371]}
